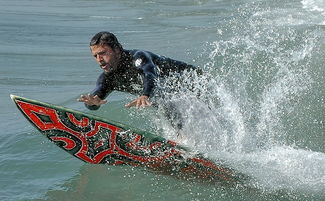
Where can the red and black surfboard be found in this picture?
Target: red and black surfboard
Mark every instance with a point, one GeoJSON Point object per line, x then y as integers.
{"type": "Point", "coordinates": [101, 141]}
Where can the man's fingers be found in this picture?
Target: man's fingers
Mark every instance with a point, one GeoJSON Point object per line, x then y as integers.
{"type": "Point", "coordinates": [148, 103]}
{"type": "Point", "coordinates": [131, 104]}
{"type": "Point", "coordinates": [144, 103]}
{"type": "Point", "coordinates": [139, 102]}
{"type": "Point", "coordinates": [88, 102]}
{"type": "Point", "coordinates": [85, 97]}
{"type": "Point", "coordinates": [89, 97]}
{"type": "Point", "coordinates": [91, 100]}
{"type": "Point", "coordinates": [99, 100]}
{"type": "Point", "coordinates": [82, 98]}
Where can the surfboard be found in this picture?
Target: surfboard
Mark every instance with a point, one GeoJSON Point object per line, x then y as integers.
{"type": "Point", "coordinates": [98, 140]}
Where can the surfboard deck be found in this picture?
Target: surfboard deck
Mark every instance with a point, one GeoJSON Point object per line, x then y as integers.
{"type": "Point", "coordinates": [95, 140]}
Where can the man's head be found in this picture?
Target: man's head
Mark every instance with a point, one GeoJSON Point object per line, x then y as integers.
{"type": "Point", "coordinates": [107, 50]}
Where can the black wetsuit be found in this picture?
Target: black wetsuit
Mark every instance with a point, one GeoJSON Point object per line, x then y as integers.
{"type": "Point", "coordinates": [137, 73]}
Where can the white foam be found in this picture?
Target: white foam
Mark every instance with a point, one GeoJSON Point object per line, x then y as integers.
{"type": "Point", "coordinates": [314, 5]}
{"type": "Point", "coordinates": [284, 167]}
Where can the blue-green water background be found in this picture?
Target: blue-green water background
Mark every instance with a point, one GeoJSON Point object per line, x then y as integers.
{"type": "Point", "coordinates": [266, 59]}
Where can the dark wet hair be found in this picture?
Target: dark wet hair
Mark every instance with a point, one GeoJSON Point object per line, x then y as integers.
{"type": "Point", "coordinates": [105, 38]}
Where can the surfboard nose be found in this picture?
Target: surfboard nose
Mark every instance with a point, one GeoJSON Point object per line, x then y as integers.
{"type": "Point", "coordinates": [13, 97]}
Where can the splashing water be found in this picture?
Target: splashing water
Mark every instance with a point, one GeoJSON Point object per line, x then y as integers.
{"type": "Point", "coordinates": [253, 86]}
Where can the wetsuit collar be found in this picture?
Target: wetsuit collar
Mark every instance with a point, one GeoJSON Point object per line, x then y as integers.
{"type": "Point", "coordinates": [125, 61]}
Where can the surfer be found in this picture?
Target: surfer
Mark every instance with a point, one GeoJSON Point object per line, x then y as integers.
{"type": "Point", "coordinates": [132, 71]}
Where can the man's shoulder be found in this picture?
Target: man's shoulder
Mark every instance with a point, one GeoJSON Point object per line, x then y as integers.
{"type": "Point", "coordinates": [137, 53]}
{"type": "Point", "coordinates": [141, 57]}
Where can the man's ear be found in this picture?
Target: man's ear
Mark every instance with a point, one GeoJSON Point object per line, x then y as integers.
{"type": "Point", "coordinates": [117, 50]}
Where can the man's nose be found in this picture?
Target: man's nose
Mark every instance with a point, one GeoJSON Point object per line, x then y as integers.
{"type": "Point", "coordinates": [99, 58]}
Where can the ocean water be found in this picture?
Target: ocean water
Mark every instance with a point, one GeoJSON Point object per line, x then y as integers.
{"type": "Point", "coordinates": [264, 95]}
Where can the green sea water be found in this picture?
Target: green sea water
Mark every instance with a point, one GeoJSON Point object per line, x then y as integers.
{"type": "Point", "coordinates": [264, 83]}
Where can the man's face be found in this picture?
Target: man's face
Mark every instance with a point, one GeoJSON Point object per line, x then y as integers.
{"type": "Point", "coordinates": [107, 58]}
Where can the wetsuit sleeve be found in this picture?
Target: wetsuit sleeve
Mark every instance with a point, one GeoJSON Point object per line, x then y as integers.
{"type": "Point", "coordinates": [102, 90]}
{"type": "Point", "coordinates": [143, 62]}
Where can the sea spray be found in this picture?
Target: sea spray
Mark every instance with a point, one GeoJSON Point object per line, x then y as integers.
{"type": "Point", "coordinates": [239, 108]}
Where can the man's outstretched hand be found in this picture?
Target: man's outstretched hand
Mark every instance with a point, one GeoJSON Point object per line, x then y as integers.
{"type": "Point", "coordinates": [91, 100]}
{"type": "Point", "coordinates": [142, 101]}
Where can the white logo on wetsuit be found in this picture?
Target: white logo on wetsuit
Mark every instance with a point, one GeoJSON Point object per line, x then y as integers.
{"type": "Point", "coordinates": [138, 62]}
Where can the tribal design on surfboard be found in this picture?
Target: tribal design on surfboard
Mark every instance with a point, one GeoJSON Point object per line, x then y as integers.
{"type": "Point", "coordinates": [101, 141]}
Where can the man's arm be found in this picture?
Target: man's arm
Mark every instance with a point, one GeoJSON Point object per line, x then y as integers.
{"type": "Point", "coordinates": [143, 62]}
{"type": "Point", "coordinates": [96, 98]}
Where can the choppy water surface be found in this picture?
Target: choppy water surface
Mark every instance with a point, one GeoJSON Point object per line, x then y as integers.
{"type": "Point", "coordinates": [262, 101]}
